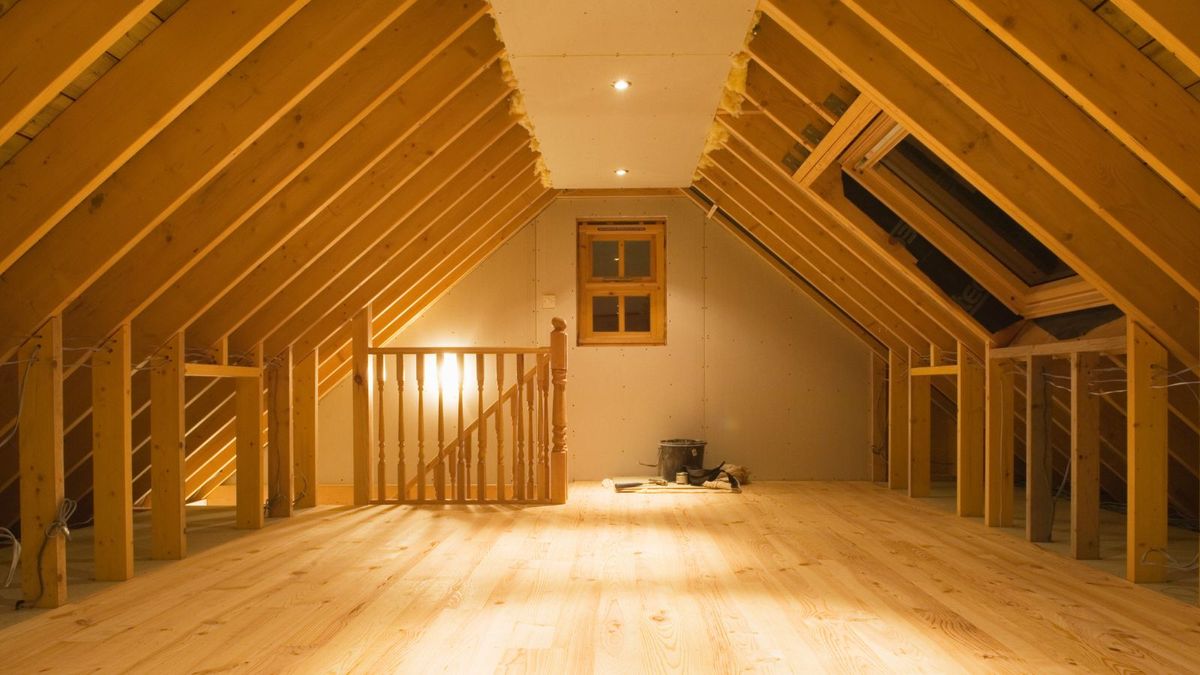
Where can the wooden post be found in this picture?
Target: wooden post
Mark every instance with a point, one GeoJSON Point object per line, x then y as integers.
{"type": "Point", "coordinates": [1146, 424]}
{"type": "Point", "coordinates": [1038, 467]}
{"type": "Point", "coordinates": [481, 467]}
{"type": "Point", "coordinates": [304, 430]}
{"type": "Point", "coordinates": [421, 427]}
{"type": "Point", "coordinates": [919, 432]}
{"type": "Point", "coordinates": [460, 466]}
{"type": "Point", "coordinates": [40, 452]}
{"type": "Point", "coordinates": [531, 434]}
{"type": "Point", "coordinates": [361, 411]}
{"type": "Point", "coordinates": [543, 478]}
{"type": "Point", "coordinates": [168, 518]}
{"type": "Point", "coordinates": [998, 485]}
{"type": "Point", "coordinates": [112, 457]}
{"type": "Point", "coordinates": [401, 460]}
{"type": "Point", "coordinates": [280, 442]}
{"type": "Point", "coordinates": [439, 466]}
{"type": "Point", "coordinates": [1085, 460]}
{"type": "Point", "coordinates": [500, 492]}
{"type": "Point", "coordinates": [970, 434]}
{"type": "Point", "coordinates": [380, 436]}
{"type": "Point", "coordinates": [250, 455]}
{"type": "Point", "coordinates": [519, 431]}
{"type": "Point", "coordinates": [558, 375]}
{"type": "Point", "coordinates": [879, 412]}
{"type": "Point", "coordinates": [897, 421]}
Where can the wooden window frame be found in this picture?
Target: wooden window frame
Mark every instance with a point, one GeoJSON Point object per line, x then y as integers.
{"type": "Point", "coordinates": [588, 286]}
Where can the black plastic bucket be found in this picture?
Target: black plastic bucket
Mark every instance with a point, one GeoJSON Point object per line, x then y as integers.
{"type": "Point", "coordinates": [676, 454]}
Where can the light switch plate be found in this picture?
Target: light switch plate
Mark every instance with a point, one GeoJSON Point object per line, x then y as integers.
{"type": "Point", "coordinates": [549, 301]}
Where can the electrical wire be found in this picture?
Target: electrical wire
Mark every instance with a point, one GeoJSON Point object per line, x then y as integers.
{"type": "Point", "coordinates": [6, 533]}
{"type": "Point", "coordinates": [66, 509]}
{"type": "Point", "coordinates": [21, 397]}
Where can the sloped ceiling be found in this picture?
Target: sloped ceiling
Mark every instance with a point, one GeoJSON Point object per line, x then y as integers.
{"type": "Point", "coordinates": [677, 54]}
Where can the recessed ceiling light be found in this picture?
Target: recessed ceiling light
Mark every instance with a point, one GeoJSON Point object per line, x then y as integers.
{"type": "Point", "coordinates": [621, 172]}
{"type": "Point", "coordinates": [621, 85]}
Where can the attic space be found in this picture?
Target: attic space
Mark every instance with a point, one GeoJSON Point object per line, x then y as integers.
{"type": "Point", "coordinates": [569, 336]}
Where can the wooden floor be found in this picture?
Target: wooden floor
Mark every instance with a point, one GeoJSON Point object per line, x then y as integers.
{"type": "Point", "coordinates": [798, 577]}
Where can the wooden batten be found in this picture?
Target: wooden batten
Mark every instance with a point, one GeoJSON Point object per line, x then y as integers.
{"type": "Point", "coordinates": [168, 518]}
{"type": "Point", "coordinates": [40, 453]}
{"type": "Point", "coordinates": [1146, 423]}
{"type": "Point", "coordinates": [112, 454]}
{"type": "Point", "coordinates": [361, 392]}
{"type": "Point", "coordinates": [304, 430]}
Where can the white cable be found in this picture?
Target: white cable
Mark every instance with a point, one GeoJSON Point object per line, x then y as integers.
{"type": "Point", "coordinates": [6, 533]}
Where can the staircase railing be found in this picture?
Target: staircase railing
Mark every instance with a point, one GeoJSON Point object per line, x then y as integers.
{"type": "Point", "coordinates": [493, 439]}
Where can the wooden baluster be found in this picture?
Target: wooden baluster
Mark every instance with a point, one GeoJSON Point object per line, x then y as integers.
{"type": "Point", "coordinates": [481, 468]}
{"type": "Point", "coordinates": [381, 462]}
{"type": "Point", "coordinates": [544, 428]}
{"type": "Point", "coordinates": [519, 432]}
{"type": "Point", "coordinates": [420, 427]}
{"type": "Point", "coordinates": [558, 373]}
{"type": "Point", "coordinates": [530, 434]}
{"type": "Point", "coordinates": [439, 470]}
{"type": "Point", "coordinates": [500, 492]}
{"type": "Point", "coordinates": [401, 474]}
{"type": "Point", "coordinates": [460, 471]}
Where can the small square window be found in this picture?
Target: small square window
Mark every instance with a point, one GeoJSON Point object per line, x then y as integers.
{"type": "Point", "coordinates": [622, 281]}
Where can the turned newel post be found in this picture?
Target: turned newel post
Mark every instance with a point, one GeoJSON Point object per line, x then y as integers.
{"type": "Point", "coordinates": [558, 437]}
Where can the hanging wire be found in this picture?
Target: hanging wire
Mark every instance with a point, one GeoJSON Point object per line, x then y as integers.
{"type": "Point", "coordinates": [21, 397]}
{"type": "Point", "coordinates": [66, 509]}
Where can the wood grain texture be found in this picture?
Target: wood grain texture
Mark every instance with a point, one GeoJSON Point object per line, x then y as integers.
{"type": "Point", "coordinates": [799, 577]}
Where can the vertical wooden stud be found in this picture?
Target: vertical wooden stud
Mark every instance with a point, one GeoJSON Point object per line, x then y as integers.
{"type": "Point", "coordinates": [1038, 468]}
{"type": "Point", "coordinates": [970, 434]}
{"type": "Point", "coordinates": [558, 376]}
{"type": "Point", "coordinates": [40, 452]}
{"type": "Point", "coordinates": [919, 432]}
{"type": "Point", "coordinates": [1001, 417]}
{"type": "Point", "coordinates": [361, 401]}
{"type": "Point", "coordinates": [878, 416]}
{"type": "Point", "coordinates": [280, 440]}
{"type": "Point", "coordinates": [304, 430]}
{"type": "Point", "coordinates": [1146, 425]}
{"type": "Point", "coordinates": [1085, 460]}
{"type": "Point", "coordinates": [168, 518]}
{"type": "Point", "coordinates": [112, 457]}
{"type": "Point", "coordinates": [897, 421]}
{"type": "Point", "coordinates": [251, 456]}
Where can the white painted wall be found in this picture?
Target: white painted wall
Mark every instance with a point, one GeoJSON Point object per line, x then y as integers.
{"type": "Point", "coordinates": [751, 364]}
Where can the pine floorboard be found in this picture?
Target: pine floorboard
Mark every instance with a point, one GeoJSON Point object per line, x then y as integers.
{"type": "Point", "coordinates": [787, 577]}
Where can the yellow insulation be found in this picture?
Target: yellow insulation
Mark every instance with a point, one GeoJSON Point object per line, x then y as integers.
{"type": "Point", "coordinates": [731, 98]}
{"type": "Point", "coordinates": [516, 108]}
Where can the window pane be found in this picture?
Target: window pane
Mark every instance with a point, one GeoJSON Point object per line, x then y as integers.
{"type": "Point", "coordinates": [604, 260]}
{"type": "Point", "coordinates": [604, 314]}
{"type": "Point", "coordinates": [637, 259]}
{"type": "Point", "coordinates": [637, 314]}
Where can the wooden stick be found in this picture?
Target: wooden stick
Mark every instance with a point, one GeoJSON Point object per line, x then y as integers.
{"type": "Point", "coordinates": [558, 373]}
{"type": "Point", "coordinates": [421, 427]}
{"type": "Point", "coordinates": [361, 412]}
{"type": "Point", "coordinates": [480, 423]}
{"type": "Point", "coordinates": [531, 488]}
{"type": "Point", "coordinates": [380, 440]}
{"type": "Point", "coordinates": [460, 470]}
{"type": "Point", "coordinates": [500, 492]}
{"type": "Point", "coordinates": [401, 475]}
{"type": "Point", "coordinates": [519, 433]}
{"type": "Point", "coordinates": [439, 471]}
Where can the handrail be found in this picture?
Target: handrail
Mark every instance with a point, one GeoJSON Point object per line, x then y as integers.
{"type": "Point", "coordinates": [458, 350]}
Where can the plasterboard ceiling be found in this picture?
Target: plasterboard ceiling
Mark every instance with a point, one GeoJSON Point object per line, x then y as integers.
{"type": "Point", "coordinates": [567, 53]}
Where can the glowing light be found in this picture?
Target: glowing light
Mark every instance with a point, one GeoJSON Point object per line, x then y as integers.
{"type": "Point", "coordinates": [621, 85]}
{"type": "Point", "coordinates": [621, 172]}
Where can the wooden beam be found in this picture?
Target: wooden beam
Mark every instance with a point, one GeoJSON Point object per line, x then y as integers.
{"type": "Point", "coordinates": [971, 392]}
{"type": "Point", "coordinates": [1103, 345]}
{"type": "Point", "coordinates": [251, 455]}
{"type": "Point", "coordinates": [989, 161]}
{"type": "Point", "coordinates": [44, 46]}
{"type": "Point", "coordinates": [218, 370]}
{"type": "Point", "coordinates": [1000, 420]}
{"type": "Point", "coordinates": [1060, 137]}
{"type": "Point", "coordinates": [878, 417]}
{"type": "Point", "coordinates": [919, 437]}
{"type": "Point", "coordinates": [897, 421]}
{"type": "Point", "coordinates": [280, 442]}
{"type": "Point", "coordinates": [361, 412]}
{"type": "Point", "coordinates": [168, 517]}
{"type": "Point", "coordinates": [931, 371]}
{"type": "Point", "coordinates": [112, 457]}
{"type": "Point", "coordinates": [1039, 496]}
{"type": "Point", "coordinates": [1085, 459]}
{"type": "Point", "coordinates": [1174, 24]}
{"type": "Point", "coordinates": [304, 429]}
{"type": "Point", "coordinates": [1146, 422]}
{"type": "Point", "coordinates": [40, 449]}
{"type": "Point", "coordinates": [224, 122]}
{"type": "Point", "coordinates": [805, 73]}
{"type": "Point", "coordinates": [120, 114]}
{"type": "Point", "coordinates": [1098, 69]}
